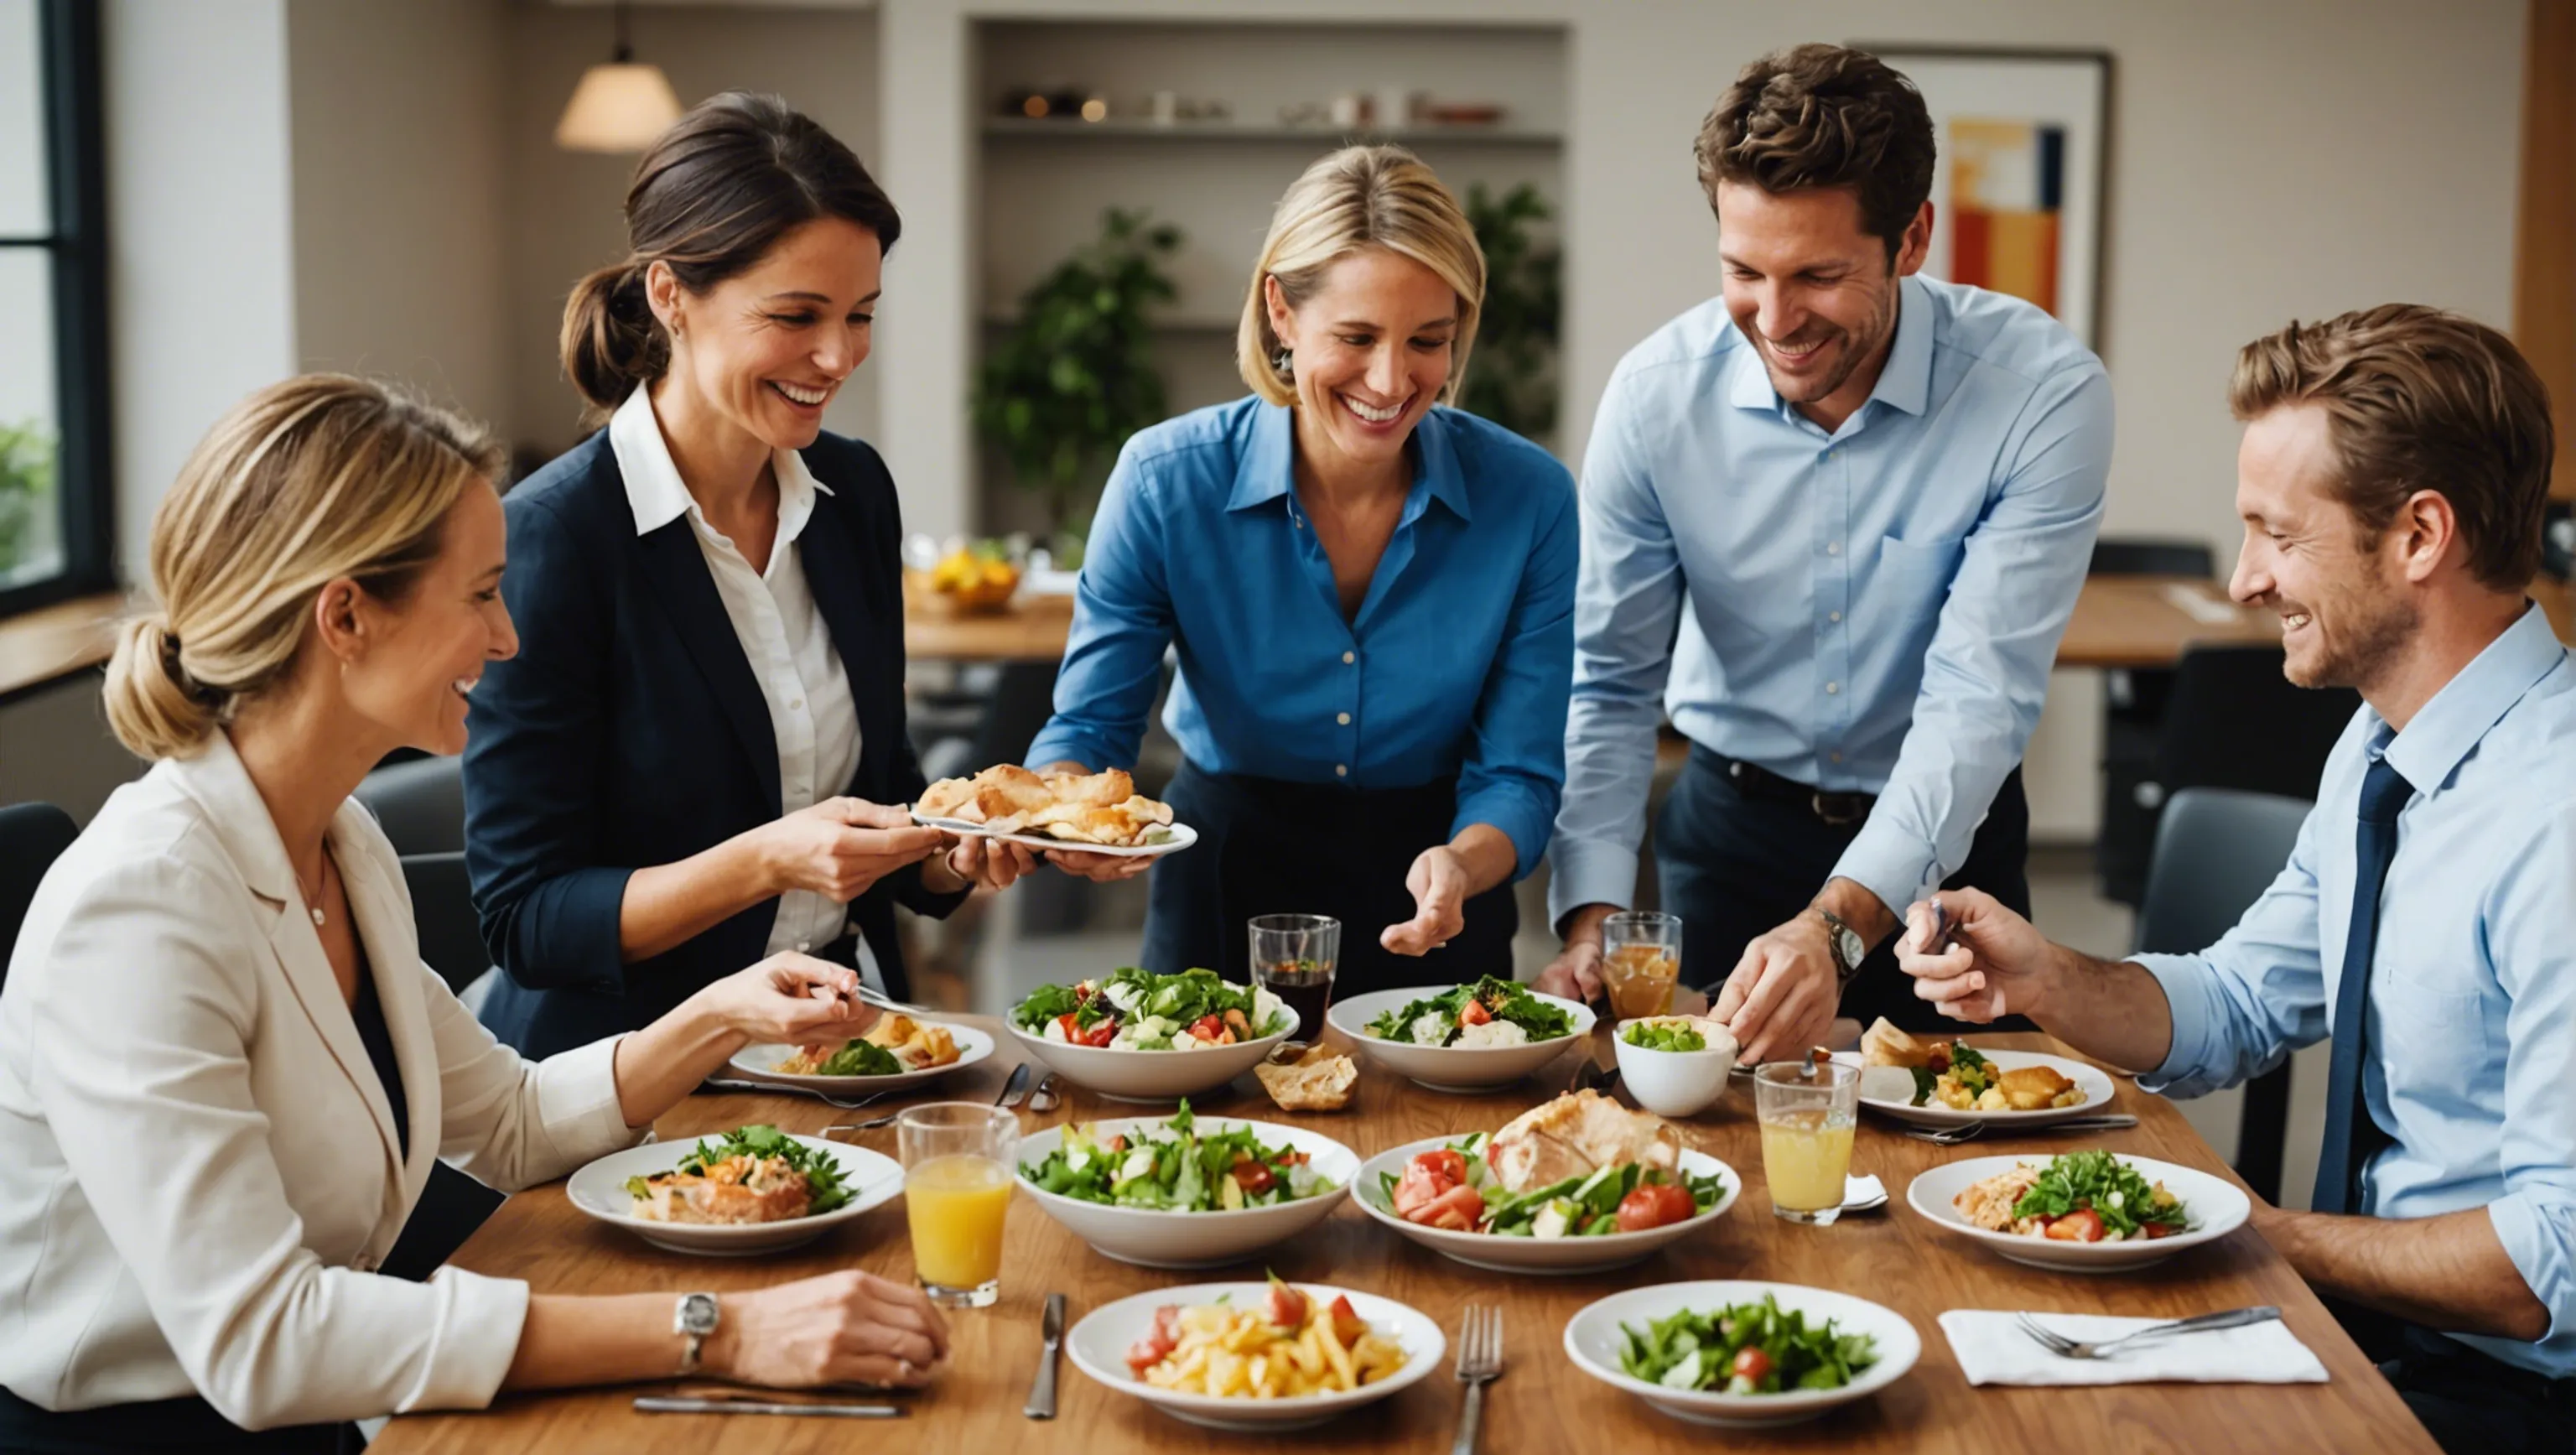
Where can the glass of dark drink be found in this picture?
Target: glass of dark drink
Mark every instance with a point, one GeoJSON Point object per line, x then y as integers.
{"type": "Point", "coordinates": [1293, 957]}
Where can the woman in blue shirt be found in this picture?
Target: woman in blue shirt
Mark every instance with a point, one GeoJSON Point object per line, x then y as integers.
{"type": "Point", "coordinates": [1372, 599]}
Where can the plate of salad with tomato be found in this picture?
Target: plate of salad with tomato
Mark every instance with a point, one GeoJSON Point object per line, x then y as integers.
{"type": "Point", "coordinates": [1742, 1354]}
{"type": "Point", "coordinates": [1139, 1036]}
{"type": "Point", "coordinates": [1473, 1037]}
{"type": "Point", "coordinates": [1184, 1191]}
{"type": "Point", "coordinates": [2093, 1211]}
{"type": "Point", "coordinates": [1444, 1194]}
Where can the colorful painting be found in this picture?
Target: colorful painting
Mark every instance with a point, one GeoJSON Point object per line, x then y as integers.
{"type": "Point", "coordinates": [2017, 189]}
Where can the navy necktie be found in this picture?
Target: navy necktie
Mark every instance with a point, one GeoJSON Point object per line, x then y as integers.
{"type": "Point", "coordinates": [2351, 1135]}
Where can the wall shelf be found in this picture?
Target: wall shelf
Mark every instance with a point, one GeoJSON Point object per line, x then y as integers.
{"type": "Point", "coordinates": [1020, 128]}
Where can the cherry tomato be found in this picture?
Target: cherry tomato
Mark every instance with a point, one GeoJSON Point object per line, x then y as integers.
{"type": "Point", "coordinates": [1459, 1210]}
{"type": "Point", "coordinates": [1114, 1144]}
{"type": "Point", "coordinates": [1099, 1035]}
{"type": "Point", "coordinates": [1165, 1336]}
{"type": "Point", "coordinates": [1653, 1205]}
{"type": "Point", "coordinates": [2158, 1230]}
{"type": "Point", "coordinates": [1253, 1177]}
{"type": "Point", "coordinates": [1235, 1022]}
{"type": "Point", "coordinates": [1207, 1027]}
{"type": "Point", "coordinates": [1286, 1307]}
{"type": "Point", "coordinates": [1473, 1013]}
{"type": "Point", "coordinates": [2083, 1225]}
{"type": "Point", "coordinates": [1750, 1364]}
{"type": "Point", "coordinates": [1347, 1323]}
{"type": "Point", "coordinates": [1447, 1163]}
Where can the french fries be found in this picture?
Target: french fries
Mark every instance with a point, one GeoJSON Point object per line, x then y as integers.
{"type": "Point", "coordinates": [1233, 1352]}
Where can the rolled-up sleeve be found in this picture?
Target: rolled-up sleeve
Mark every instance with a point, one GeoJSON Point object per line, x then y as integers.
{"type": "Point", "coordinates": [548, 902]}
{"type": "Point", "coordinates": [2243, 1004]}
{"type": "Point", "coordinates": [142, 1019]}
{"type": "Point", "coordinates": [1986, 674]}
{"type": "Point", "coordinates": [1122, 624]}
{"type": "Point", "coordinates": [2530, 919]}
{"type": "Point", "coordinates": [1514, 773]}
{"type": "Point", "coordinates": [1627, 605]}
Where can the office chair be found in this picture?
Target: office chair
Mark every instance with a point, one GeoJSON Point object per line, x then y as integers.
{"type": "Point", "coordinates": [2133, 715]}
{"type": "Point", "coordinates": [32, 837]}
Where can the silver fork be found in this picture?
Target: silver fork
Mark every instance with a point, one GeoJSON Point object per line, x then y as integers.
{"type": "Point", "coordinates": [1480, 1362]}
{"type": "Point", "coordinates": [2059, 1344]}
{"type": "Point", "coordinates": [1970, 1131]}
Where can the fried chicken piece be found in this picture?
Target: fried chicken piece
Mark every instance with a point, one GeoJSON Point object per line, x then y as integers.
{"type": "Point", "coordinates": [1574, 1135]}
{"type": "Point", "coordinates": [2032, 1088]}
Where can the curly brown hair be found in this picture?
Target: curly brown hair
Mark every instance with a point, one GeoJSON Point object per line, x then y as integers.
{"type": "Point", "coordinates": [1820, 115]}
{"type": "Point", "coordinates": [2419, 399]}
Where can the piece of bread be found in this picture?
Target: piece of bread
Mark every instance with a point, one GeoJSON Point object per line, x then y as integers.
{"type": "Point", "coordinates": [1320, 1080]}
{"type": "Point", "coordinates": [1884, 1045]}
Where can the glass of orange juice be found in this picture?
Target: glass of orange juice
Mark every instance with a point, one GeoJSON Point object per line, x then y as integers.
{"type": "Point", "coordinates": [958, 1161]}
{"type": "Point", "coordinates": [1807, 1113]}
{"type": "Point", "coordinates": [1641, 960]}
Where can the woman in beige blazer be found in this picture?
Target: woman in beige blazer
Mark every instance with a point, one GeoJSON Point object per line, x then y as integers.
{"type": "Point", "coordinates": [225, 1072]}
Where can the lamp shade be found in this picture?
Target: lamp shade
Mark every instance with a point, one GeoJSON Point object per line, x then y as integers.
{"type": "Point", "coordinates": [619, 107]}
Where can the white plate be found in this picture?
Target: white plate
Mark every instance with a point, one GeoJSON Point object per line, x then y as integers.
{"type": "Point", "coordinates": [1537, 1255]}
{"type": "Point", "coordinates": [1098, 1346]}
{"type": "Point", "coordinates": [1153, 1075]}
{"type": "Point", "coordinates": [2089, 1079]}
{"type": "Point", "coordinates": [1593, 1341]}
{"type": "Point", "coordinates": [1182, 837]}
{"type": "Point", "coordinates": [2213, 1204]}
{"type": "Point", "coordinates": [600, 1190]}
{"type": "Point", "coordinates": [1158, 1239]}
{"type": "Point", "coordinates": [1451, 1068]}
{"type": "Point", "coordinates": [760, 1063]}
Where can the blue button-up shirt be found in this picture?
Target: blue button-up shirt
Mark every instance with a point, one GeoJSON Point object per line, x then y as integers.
{"type": "Point", "coordinates": [2472, 1013]}
{"type": "Point", "coordinates": [1455, 664]}
{"type": "Point", "coordinates": [1871, 610]}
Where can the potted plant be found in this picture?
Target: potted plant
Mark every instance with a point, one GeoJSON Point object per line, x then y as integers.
{"type": "Point", "coordinates": [1513, 381]}
{"type": "Point", "coordinates": [26, 486]}
{"type": "Point", "coordinates": [1075, 376]}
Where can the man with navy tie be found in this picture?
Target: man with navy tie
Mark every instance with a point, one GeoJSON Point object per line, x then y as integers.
{"type": "Point", "coordinates": [1834, 522]}
{"type": "Point", "coordinates": [2392, 476]}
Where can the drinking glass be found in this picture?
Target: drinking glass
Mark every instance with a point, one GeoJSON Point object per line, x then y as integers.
{"type": "Point", "coordinates": [1292, 958]}
{"type": "Point", "coordinates": [957, 1168]}
{"type": "Point", "coordinates": [1807, 1113]}
{"type": "Point", "coordinates": [1641, 960]}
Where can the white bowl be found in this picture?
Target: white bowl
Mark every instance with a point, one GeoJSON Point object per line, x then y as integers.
{"type": "Point", "coordinates": [1593, 1342]}
{"type": "Point", "coordinates": [760, 1063]}
{"type": "Point", "coordinates": [1675, 1083]}
{"type": "Point", "coordinates": [2090, 1079]}
{"type": "Point", "coordinates": [1451, 1068]}
{"type": "Point", "coordinates": [600, 1190]}
{"type": "Point", "coordinates": [1098, 1346]}
{"type": "Point", "coordinates": [2215, 1206]}
{"type": "Point", "coordinates": [1153, 1075]}
{"type": "Point", "coordinates": [1159, 1239]}
{"type": "Point", "coordinates": [1537, 1255]}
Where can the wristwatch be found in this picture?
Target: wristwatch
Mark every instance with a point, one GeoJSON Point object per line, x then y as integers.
{"type": "Point", "coordinates": [694, 1319]}
{"type": "Point", "coordinates": [1849, 949]}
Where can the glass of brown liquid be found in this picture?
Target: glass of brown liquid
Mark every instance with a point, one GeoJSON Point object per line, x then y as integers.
{"type": "Point", "coordinates": [1293, 957]}
{"type": "Point", "coordinates": [1641, 961]}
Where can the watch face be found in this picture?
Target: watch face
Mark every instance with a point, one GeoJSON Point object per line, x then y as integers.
{"type": "Point", "coordinates": [1853, 951]}
{"type": "Point", "coordinates": [698, 1314]}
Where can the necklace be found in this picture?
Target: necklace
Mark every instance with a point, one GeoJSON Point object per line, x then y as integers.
{"type": "Point", "coordinates": [313, 897]}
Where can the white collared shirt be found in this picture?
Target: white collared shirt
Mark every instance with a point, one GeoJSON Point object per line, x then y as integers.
{"type": "Point", "coordinates": [783, 635]}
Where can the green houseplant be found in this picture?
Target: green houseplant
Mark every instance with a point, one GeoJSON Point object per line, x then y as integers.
{"type": "Point", "coordinates": [26, 485]}
{"type": "Point", "coordinates": [1511, 378]}
{"type": "Point", "coordinates": [1075, 376]}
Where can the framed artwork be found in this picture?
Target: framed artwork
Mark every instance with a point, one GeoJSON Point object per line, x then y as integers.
{"type": "Point", "coordinates": [2017, 194]}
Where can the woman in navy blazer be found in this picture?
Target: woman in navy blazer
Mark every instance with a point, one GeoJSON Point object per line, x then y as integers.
{"type": "Point", "coordinates": [699, 756]}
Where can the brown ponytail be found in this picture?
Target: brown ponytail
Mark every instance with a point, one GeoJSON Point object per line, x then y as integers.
{"type": "Point", "coordinates": [709, 199]}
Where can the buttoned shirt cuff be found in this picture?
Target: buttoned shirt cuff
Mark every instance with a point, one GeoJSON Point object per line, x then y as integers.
{"type": "Point", "coordinates": [1582, 873]}
{"type": "Point", "coordinates": [2537, 1226]}
{"type": "Point", "coordinates": [577, 1102]}
{"type": "Point", "coordinates": [2191, 992]}
{"type": "Point", "coordinates": [474, 1337]}
{"type": "Point", "coordinates": [1889, 862]}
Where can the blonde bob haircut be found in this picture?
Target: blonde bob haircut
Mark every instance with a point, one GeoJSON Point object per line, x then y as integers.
{"type": "Point", "coordinates": [304, 482]}
{"type": "Point", "coordinates": [1356, 198]}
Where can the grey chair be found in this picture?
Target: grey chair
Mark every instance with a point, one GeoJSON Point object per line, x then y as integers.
{"type": "Point", "coordinates": [2217, 850]}
{"type": "Point", "coordinates": [32, 837]}
{"type": "Point", "coordinates": [2133, 719]}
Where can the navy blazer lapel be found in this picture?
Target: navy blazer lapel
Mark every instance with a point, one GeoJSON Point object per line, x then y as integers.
{"type": "Point", "coordinates": [677, 568]}
{"type": "Point", "coordinates": [836, 571]}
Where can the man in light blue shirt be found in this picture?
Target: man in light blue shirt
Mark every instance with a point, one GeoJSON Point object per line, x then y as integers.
{"type": "Point", "coordinates": [1834, 523]}
{"type": "Point", "coordinates": [2392, 478]}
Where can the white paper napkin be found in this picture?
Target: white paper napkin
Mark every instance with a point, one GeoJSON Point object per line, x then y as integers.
{"type": "Point", "coordinates": [1992, 1349]}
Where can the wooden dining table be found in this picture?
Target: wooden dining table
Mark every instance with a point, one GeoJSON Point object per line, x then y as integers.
{"type": "Point", "coordinates": [1543, 1402]}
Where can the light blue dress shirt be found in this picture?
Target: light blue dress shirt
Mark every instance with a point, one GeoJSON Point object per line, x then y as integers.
{"type": "Point", "coordinates": [1455, 664]}
{"type": "Point", "coordinates": [2472, 1013]}
{"type": "Point", "coordinates": [1870, 610]}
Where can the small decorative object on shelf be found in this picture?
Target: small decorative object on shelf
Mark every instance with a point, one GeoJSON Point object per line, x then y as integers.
{"type": "Point", "coordinates": [1460, 113]}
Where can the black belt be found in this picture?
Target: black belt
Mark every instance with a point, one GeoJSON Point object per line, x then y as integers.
{"type": "Point", "coordinates": [1754, 781]}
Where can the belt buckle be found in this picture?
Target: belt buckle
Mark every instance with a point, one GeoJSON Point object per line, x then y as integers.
{"type": "Point", "coordinates": [1838, 809]}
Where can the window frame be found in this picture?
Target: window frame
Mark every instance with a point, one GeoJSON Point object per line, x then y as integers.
{"type": "Point", "coordinates": [76, 241]}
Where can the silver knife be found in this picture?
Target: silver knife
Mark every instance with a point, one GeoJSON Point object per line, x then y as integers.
{"type": "Point", "coordinates": [1041, 1405]}
{"type": "Point", "coordinates": [654, 1404]}
{"type": "Point", "coordinates": [1016, 1089]}
{"type": "Point", "coordinates": [1043, 1099]}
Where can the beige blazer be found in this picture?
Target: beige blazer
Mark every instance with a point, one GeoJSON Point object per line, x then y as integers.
{"type": "Point", "coordinates": [198, 1167]}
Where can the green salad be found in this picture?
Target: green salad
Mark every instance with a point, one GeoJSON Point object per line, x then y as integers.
{"type": "Point", "coordinates": [2127, 1204]}
{"type": "Point", "coordinates": [860, 1058]}
{"type": "Point", "coordinates": [1490, 1012]}
{"type": "Point", "coordinates": [1136, 1010]}
{"type": "Point", "coordinates": [1664, 1036]}
{"type": "Point", "coordinates": [1745, 1348]}
{"type": "Point", "coordinates": [1595, 1205]}
{"type": "Point", "coordinates": [822, 1173]}
{"type": "Point", "coordinates": [1176, 1168]}
{"type": "Point", "coordinates": [1970, 1070]}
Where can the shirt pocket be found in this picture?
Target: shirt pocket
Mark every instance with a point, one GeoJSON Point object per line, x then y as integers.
{"type": "Point", "coordinates": [2434, 1030]}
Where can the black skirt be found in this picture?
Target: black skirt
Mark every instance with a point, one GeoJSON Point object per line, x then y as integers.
{"type": "Point", "coordinates": [1268, 847]}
